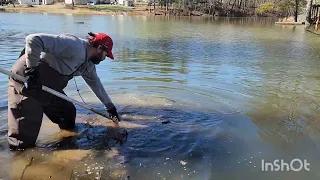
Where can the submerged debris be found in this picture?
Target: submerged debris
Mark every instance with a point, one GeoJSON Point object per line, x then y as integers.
{"type": "Point", "coordinates": [166, 122]}
{"type": "Point", "coordinates": [183, 162]}
{"type": "Point", "coordinates": [121, 136]}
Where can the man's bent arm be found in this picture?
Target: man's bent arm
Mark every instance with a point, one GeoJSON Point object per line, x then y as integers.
{"type": "Point", "coordinates": [94, 83]}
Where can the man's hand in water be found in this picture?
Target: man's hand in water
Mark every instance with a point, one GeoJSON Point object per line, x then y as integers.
{"type": "Point", "coordinates": [113, 113]}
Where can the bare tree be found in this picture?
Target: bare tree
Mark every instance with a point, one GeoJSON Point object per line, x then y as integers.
{"type": "Point", "coordinates": [296, 11]}
{"type": "Point", "coordinates": [308, 13]}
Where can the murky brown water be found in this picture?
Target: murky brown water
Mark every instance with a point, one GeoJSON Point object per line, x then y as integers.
{"type": "Point", "coordinates": [236, 92]}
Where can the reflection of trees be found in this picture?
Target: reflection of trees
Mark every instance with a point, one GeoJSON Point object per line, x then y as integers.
{"type": "Point", "coordinates": [250, 21]}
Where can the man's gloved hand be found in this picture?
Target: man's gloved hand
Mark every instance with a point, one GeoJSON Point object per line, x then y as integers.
{"type": "Point", "coordinates": [113, 114]}
{"type": "Point", "coordinates": [33, 81]}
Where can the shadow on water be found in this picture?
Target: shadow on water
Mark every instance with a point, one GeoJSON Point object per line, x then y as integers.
{"type": "Point", "coordinates": [148, 142]}
{"type": "Point", "coordinates": [89, 135]}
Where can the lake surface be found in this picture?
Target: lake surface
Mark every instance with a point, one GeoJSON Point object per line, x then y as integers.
{"type": "Point", "coordinates": [237, 92]}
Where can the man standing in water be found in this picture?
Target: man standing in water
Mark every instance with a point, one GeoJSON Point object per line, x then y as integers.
{"type": "Point", "coordinates": [52, 60]}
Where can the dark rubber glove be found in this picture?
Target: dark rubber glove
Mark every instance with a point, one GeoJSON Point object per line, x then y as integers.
{"type": "Point", "coordinates": [114, 114]}
{"type": "Point", "coordinates": [33, 81]}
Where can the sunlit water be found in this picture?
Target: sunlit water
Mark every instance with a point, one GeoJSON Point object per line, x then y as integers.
{"type": "Point", "coordinates": [236, 92]}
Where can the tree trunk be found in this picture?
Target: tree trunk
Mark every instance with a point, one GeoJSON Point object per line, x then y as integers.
{"type": "Point", "coordinates": [308, 13]}
{"type": "Point", "coordinates": [149, 8]}
{"type": "Point", "coordinates": [296, 12]}
{"type": "Point", "coordinates": [234, 2]}
{"type": "Point", "coordinates": [173, 9]}
{"type": "Point", "coordinates": [167, 6]}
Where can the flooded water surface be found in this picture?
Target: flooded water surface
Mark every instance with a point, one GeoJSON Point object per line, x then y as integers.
{"type": "Point", "coordinates": [200, 99]}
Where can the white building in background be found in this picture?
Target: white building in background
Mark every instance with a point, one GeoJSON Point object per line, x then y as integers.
{"type": "Point", "coordinates": [35, 2]}
{"type": "Point", "coordinates": [29, 2]}
{"type": "Point", "coordinates": [125, 2]}
{"type": "Point", "coordinates": [86, 2]}
{"type": "Point", "coordinates": [47, 2]}
{"type": "Point", "coordinates": [68, 1]}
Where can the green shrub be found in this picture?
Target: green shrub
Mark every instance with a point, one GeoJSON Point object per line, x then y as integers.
{"type": "Point", "coordinates": [267, 7]}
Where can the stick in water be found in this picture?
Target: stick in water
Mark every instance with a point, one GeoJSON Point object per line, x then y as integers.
{"type": "Point", "coordinates": [56, 93]}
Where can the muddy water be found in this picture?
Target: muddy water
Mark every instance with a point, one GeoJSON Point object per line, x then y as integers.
{"type": "Point", "coordinates": [236, 92]}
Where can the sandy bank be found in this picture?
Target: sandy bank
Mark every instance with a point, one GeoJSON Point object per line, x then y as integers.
{"type": "Point", "coordinates": [61, 9]}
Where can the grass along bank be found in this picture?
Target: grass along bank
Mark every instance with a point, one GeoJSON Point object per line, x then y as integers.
{"type": "Point", "coordinates": [112, 8]}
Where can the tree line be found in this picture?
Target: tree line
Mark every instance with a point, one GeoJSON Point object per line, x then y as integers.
{"type": "Point", "coordinates": [237, 8]}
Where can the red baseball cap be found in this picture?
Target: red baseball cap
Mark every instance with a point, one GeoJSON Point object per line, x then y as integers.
{"type": "Point", "coordinates": [103, 40]}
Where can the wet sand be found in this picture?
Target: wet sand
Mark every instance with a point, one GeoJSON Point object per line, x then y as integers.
{"type": "Point", "coordinates": [75, 154]}
{"type": "Point", "coordinates": [60, 154]}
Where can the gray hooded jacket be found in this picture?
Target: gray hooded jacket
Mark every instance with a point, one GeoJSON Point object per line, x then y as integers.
{"type": "Point", "coordinates": [67, 54]}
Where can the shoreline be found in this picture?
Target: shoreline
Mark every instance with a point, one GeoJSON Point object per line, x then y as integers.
{"type": "Point", "coordinates": [80, 10]}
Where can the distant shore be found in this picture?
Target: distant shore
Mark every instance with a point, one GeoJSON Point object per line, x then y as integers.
{"type": "Point", "coordinates": [78, 9]}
